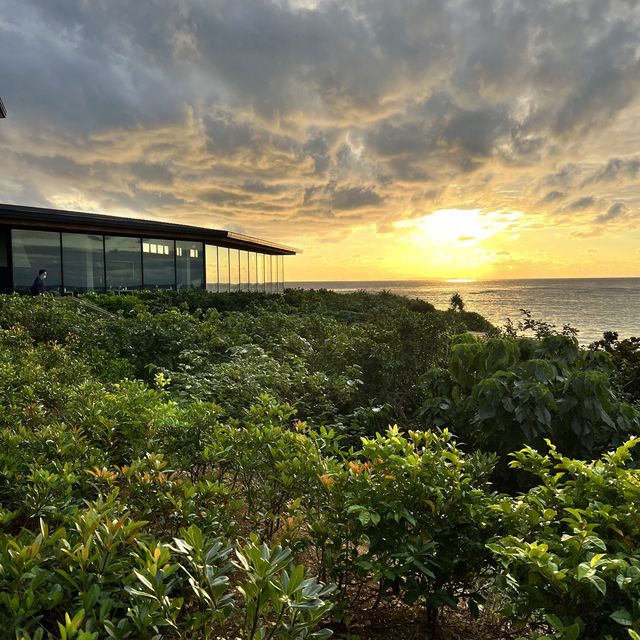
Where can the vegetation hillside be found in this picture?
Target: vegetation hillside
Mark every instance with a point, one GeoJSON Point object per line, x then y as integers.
{"type": "Point", "coordinates": [191, 465]}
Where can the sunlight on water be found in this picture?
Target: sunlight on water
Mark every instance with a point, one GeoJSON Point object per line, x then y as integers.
{"type": "Point", "coordinates": [591, 305]}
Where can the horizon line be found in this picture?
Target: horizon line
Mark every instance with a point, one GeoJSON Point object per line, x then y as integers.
{"type": "Point", "coordinates": [471, 280]}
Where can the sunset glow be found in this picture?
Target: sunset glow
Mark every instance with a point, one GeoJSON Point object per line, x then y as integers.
{"type": "Point", "coordinates": [386, 140]}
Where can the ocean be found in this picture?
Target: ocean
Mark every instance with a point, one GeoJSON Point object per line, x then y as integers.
{"type": "Point", "coordinates": [590, 305]}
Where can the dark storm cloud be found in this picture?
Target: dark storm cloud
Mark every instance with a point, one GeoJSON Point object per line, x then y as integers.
{"type": "Point", "coordinates": [477, 131]}
{"type": "Point", "coordinates": [607, 76]}
{"type": "Point", "coordinates": [581, 203]}
{"type": "Point", "coordinates": [270, 109]}
{"type": "Point", "coordinates": [614, 211]}
{"type": "Point", "coordinates": [354, 198]}
{"type": "Point", "coordinates": [563, 177]}
{"type": "Point", "coordinates": [552, 196]}
{"type": "Point", "coordinates": [616, 169]}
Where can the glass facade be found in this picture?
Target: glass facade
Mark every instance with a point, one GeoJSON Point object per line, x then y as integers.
{"type": "Point", "coordinates": [244, 270]}
{"type": "Point", "coordinates": [282, 280]}
{"type": "Point", "coordinates": [77, 263]}
{"type": "Point", "coordinates": [223, 269]}
{"type": "Point", "coordinates": [158, 264]}
{"type": "Point", "coordinates": [234, 270]}
{"type": "Point", "coordinates": [123, 260]}
{"type": "Point", "coordinates": [211, 253]}
{"type": "Point", "coordinates": [32, 251]}
{"type": "Point", "coordinates": [253, 271]}
{"type": "Point", "coordinates": [260, 257]}
{"type": "Point", "coordinates": [268, 274]}
{"type": "Point", "coordinates": [83, 262]}
{"type": "Point", "coordinates": [189, 264]}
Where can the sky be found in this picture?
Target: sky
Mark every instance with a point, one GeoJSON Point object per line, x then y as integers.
{"type": "Point", "coordinates": [386, 139]}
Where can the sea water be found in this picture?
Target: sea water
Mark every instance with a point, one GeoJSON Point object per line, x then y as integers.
{"type": "Point", "coordinates": [590, 305]}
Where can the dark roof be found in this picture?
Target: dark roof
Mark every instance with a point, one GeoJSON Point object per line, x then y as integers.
{"type": "Point", "coordinates": [59, 220]}
{"type": "Point", "coordinates": [3, 111]}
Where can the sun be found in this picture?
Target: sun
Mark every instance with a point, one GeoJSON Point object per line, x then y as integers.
{"type": "Point", "coordinates": [455, 243]}
{"type": "Point", "coordinates": [458, 227]}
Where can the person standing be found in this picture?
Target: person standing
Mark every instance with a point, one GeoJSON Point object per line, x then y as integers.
{"type": "Point", "coordinates": [38, 284]}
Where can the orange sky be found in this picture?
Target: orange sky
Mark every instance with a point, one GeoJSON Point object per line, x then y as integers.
{"type": "Point", "coordinates": [450, 138]}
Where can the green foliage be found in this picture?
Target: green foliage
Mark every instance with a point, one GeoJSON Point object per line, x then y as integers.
{"type": "Point", "coordinates": [625, 355]}
{"type": "Point", "coordinates": [279, 593]}
{"type": "Point", "coordinates": [456, 303]}
{"type": "Point", "coordinates": [411, 512]}
{"type": "Point", "coordinates": [180, 469]}
{"type": "Point", "coordinates": [501, 393]}
{"type": "Point", "coordinates": [572, 557]}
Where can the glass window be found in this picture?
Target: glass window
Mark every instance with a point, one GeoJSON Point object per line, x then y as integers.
{"type": "Point", "coordinates": [124, 263]}
{"type": "Point", "coordinates": [260, 257]}
{"type": "Point", "coordinates": [4, 247]}
{"type": "Point", "coordinates": [223, 269]}
{"type": "Point", "coordinates": [83, 262]}
{"type": "Point", "coordinates": [282, 284]}
{"type": "Point", "coordinates": [274, 266]}
{"type": "Point", "coordinates": [32, 251]}
{"type": "Point", "coordinates": [234, 270]}
{"type": "Point", "coordinates": [244, 271]}
{"type": "Point", "coordinates": [189, 264]}
{"type": "Point", "coordinates": [212, 267]}
{"type": "Point", "coordinates": [253, 271]}
{"type": "Point", "coordinates": [268, 276]}
{"type": "Point", "coordinates": [277, 274]}
{"type": "Point", "coordinates": [158, 264]}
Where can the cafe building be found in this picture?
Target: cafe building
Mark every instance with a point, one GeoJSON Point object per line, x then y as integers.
{"type": "Point", "coordinates": [90, 252]}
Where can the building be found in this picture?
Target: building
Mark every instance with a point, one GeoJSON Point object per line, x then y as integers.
{"type": "Point", "coordinates": [89, 252]}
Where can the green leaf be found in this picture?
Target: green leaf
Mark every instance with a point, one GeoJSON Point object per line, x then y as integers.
{"type": "Point", "coordinates": [623, 617]}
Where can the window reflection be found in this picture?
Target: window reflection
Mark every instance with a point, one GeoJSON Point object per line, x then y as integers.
{"type": "Point", "coordinates": [212, 267]}
{"type": "Point", "coordinates": [253, 277]}
{"type": "Point", "coordinates": [244, 271]}
{"type": "Point", "coordinates": [83, 262]}
{"type": "Point", "coordinates": [189, 264]}
{"type": "Point", "coordinates": [223, 269]}
{"type": "Point", "coordinates": [123, 258]}
{"type": "Point", "coordinates": [268, 277]}
{"type": "Point", "coordinates": [260, 271]}
{"type": "Point", "coordinates": [234, 270]}
{"type": "Point", "coordinates": [158, 263]}
{"type": "Point", "coordinates": [32, 251]}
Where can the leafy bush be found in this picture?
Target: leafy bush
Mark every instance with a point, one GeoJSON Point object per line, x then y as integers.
{"type": "Point", "coordinates": [141, 453]}
{"type": "Point", "coordinates": [410, 512]}
{"type": "Point", "coordinates": [105, 577]}
{"type": "Point", "coordinates": [626, 359]}
{"type": "Point", "coordinates": [501, 393]}
{"type": "Point", "coordinates": [572, 558]}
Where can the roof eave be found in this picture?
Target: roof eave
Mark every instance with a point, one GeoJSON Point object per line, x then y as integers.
{"type": "Point", "coordinates": [100, 223]}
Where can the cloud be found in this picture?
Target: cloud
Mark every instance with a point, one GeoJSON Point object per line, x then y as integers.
{"type": "Point", "coordinates": [616, 210]}
{"type": "Point", "coordinates": [615, 169]}
{"type": "Point", "coordinates": [354, 198]}
{"type": "Point", "coordinates": [581, 203]}
{"type": "Point", "coordinates": [275, 115]}
{"type": "Point", "coordinates": [552, 196]}
{"type": "Point", "coordinates": [563, 177]}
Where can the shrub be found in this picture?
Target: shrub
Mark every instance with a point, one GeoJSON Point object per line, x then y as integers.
{"type": "Point", "coordinates": [571, 559]}
{"type": "Point", "coordinates": [501, 393]}
{"type": "Point", "coordinates": [411, 512]}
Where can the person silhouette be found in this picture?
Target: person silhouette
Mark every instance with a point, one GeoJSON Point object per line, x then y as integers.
{"type": "Point", "coordinates": [38, 284]}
